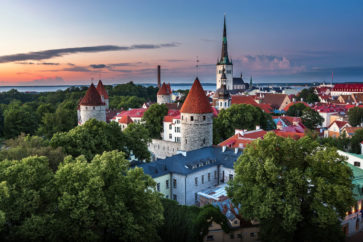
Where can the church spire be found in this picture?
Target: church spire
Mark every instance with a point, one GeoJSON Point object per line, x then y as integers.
{"type": "Point", "coordinates": [224, 54]}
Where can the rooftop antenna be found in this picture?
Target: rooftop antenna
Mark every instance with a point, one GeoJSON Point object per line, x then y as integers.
{"type": "Point", "coordinates": [197, 66]}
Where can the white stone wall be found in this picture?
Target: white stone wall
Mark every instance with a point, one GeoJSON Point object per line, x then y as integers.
{"type": "Point", "coordinates": [229, 75]}
{"type": "Point", "coordinates": [162, 149]}
{"type": "Point", "coordinates": [89, 112]}
{"type": "Point", "coordinates": [196, 131]}
{"type": "Point", "coordinates": [351, 159]}
{"type": "Point", "coordinates": [163, 99]}
{"type": "Point", "coordinates": [172, 131]}
{"type": "Point", "coordinates": [225, 173]}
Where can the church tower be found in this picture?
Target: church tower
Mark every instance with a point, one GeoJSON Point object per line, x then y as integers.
{"type": "Point", "coordinates": [222, 98]}
{"type": "Point", "coordinates": [225, 63]}
{"type": "Point", "coordinates": [196, 120]}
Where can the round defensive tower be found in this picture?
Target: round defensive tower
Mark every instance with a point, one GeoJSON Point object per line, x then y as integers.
{"type": "Point", "coordinates": [164, 94]}
{"type": "Point", "coordinates": [196, 119]}
{"type": "Point", "coordinates": [92, 106]}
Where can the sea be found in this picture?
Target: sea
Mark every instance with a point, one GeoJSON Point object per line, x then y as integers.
{"type": "Point", "coordinates": [174, 86]}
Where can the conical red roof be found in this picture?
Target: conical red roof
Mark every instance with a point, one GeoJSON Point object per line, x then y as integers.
{"type": "Point", "coordinates": [196, 101]}
{"type": "Point", "coordinates": [126, 120]}
{"type": "Point", "coordinates": [92, 97]}
{"type": "Point", "coordinates": [102, 90]}
{"type": "Point", "coordinates": [164, 90]}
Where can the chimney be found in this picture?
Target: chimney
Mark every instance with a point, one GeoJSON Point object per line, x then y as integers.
{"type": "Point", "coordinates": [258, 127]}
{"type": "Point", "coordinates": [224, 148]}
{"type": "Point", "coordinates": [159, 81]}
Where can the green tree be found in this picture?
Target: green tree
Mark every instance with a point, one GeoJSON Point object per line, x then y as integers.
{"type": "Point", "coordinates": [126, 102]}
{"type": "Point", "coordinates": [311, 118]}
{"type": "Point", "coordinates": [4, 193]}
{"type": "Point", "coordinates": [355, 116]}
{"type": "Point", "coordinates": [26, 145]}
{"type": "Point", "coordinates": [30, 197]}
{"type": "Point", "coordinates": [153, 118]}
{"type": "Point", "coordinates": [105, 201]}
{"type": "Point", "coordinates": [64, 119]}
{"type": "Point", "coordinates": [296, 110]}
{"type": "Point", "coordinates": [93, 137]}
{"type": "Point", "coordinates": [297, 190]}
{"type": "Point", "coordinates": [239, 116]}
{"type": "Point", "coordinates": [19, 119]}
{"type": "Point", "coordinates": [308, 95]}
{"type": "Point", "coordinates": [138, 137]}
{"type": "Point", "coordinates": [356, 139]}
{"type": "Point", "coordinates": [189, 223]}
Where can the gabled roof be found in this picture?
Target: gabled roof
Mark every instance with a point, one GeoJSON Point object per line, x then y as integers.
{"type": "Point", "coordinates": [133, 113]}
{"type": "Point", "coordinates": [125, 120]}
{"type": "Point", "coordinates": [102, 90]}
{"type": "Point", "coordinates": [92, 97]}
{"type": "Point", "coordinates": [274, 99]}
{"type": "Point", "coordinates": [351, 130]}
{"type": "Point", "coordinates": [239, 99]}
{"type": "Point", "coordinates": [196, 101]}
{"type": "Point", "coordinates": [164, 90]}
{"type": "Point", "coordinates": [340, 124]}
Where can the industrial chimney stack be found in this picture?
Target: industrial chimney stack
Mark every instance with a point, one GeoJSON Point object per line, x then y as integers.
{"type": "Point", "coordinates": [159, 81]}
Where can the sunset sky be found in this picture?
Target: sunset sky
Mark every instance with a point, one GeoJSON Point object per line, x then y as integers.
{"type": "Point", "coordinates": [70, 42]}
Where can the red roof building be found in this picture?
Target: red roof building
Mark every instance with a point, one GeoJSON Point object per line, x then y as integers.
{"type": "Point", "coordinates": [125, 120]}
{"type": "Point", "coordinates": [92, 97]}
{"type": "Point", "coordinates": [238, 99]}
{"type": "Point", "coordinates": [196, 101]}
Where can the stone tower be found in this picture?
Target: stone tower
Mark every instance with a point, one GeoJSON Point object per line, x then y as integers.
{"type": "Point", "coordinates": [164, 94]}
{"type": "Point", "coordinates": [91, 106]}
{"type": "Point", "coordinates": [225, 63]}
{"type": "Point", "coordinates": [196, 120]}
{"type": "Point", "coordinates": [222, 98]}
{"type": "Point", "coordinates": [103, 93]}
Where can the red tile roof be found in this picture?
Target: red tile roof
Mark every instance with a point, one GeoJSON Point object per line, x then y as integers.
{"type": "Point", "coordinates": [196, 101]}
{"type": "Point", "coordinates": [238, 99]}
{"type": "Point", "coordinates": [164, 90]}
{"type": "Point", "coordinates": [133, 113]}
{"type": "Point", "coordinates": [102, 90]}
{"type": "Point", "coordinates": [340, 124]}
{"type": "Point", "coordinates": [350, 87]}
{"type": "Point", "coordinates": [125, 120]}
{"type": "Point", "coordinates": [92, 97]}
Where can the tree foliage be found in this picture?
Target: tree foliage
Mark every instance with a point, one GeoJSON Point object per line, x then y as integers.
{"type": "Point", "coordinates": [93, 137]}
{"type": "Point", "coordinates": [137, 139]}
{"type": "Point", "coordinates": [297, 190]}
{"type": "Point", "coordinates": [308, 95]}
{"type": "Point", "coordinates": [153, 118]}
{"type": "Point", "coordinates": [189, 223]}
{"type": "Point", "coordinates": [126, 102]}
{"type": "Point", "coordinates": [296, 110]}
{"type": "Point", "coordinates": [355, 116]}
{"type": "Point", "coordinates": [100, 200]}
{"type": "Point", "coordinates": [26, 145]}
{"type": "Point", "coordinates": [311, 118]}
{"type": "Point", "coordinates": [239, 116]}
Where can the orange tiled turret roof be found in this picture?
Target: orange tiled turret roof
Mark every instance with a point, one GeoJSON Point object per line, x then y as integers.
{"type": "Point", "coordinates": [92, 97]}
{"type": "Point", "coordinates": [102, 90]}
{"type": "Point", "coordinates": [196, 101]}
{"type": "Point", "coordinates": [164, 90]}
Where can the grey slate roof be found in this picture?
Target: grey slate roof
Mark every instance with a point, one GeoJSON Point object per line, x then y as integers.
{"type": "Point", "coordinates": [194, 161]}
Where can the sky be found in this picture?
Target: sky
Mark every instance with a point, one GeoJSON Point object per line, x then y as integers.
{"type": "Point", "coordinates": [74, 42]}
